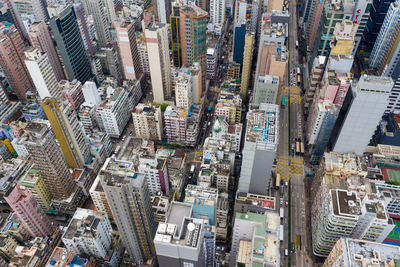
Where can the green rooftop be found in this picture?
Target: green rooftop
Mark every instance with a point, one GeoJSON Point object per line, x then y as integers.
{"type": "Point", "coordinates": [253, 217]}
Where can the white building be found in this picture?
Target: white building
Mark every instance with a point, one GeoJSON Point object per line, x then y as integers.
{"type": "Point", "coordinates": [156, 172]}
{"type": "Point", "coordinates": [259, 149]}
{"type": "Point", "coordinates": [91, 94]}
{"type": "Point", "coordinates": [233, 133]}
{"type": "Point", "coordinates": [114, 113]}
{"type": "Point", "coordinates": [382, 42]}
{"type": "Point", "coordinates": [217, 12]}
{"type": "Point", "coordinates": [89, 232]}
{"type": "Point", "coordinates": [266, 90]}
{"type": "Point", "coordinates": [183, 91]}
{"type": "Point", "coordinates": [179, 241]}
{"type": "Point", "coordinates": [159, 61]}
{"type": "Point", "coordinates": [42, 73]}
{"type": "Point", "coordinates": [147, 121]}
{"type": "Point", "coordinates": [370, 98]}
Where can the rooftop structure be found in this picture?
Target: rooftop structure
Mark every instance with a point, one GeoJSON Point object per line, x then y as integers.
{"type": "Point", "coordinates": [179, 239]}
{"type": "Point", "coordinates": [204, 201]}
{"type": "Point", "coordinates": [262, 230]}
{"type": "Point", "coordinates": [259, 148]}
{"type": "Point", "coordinates": [357, 253]}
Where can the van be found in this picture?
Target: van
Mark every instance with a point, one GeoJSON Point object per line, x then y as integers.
{"type": "Point", "coordinates": [286, 252]}
{"type": "Point", "coordinates": [281, 201]}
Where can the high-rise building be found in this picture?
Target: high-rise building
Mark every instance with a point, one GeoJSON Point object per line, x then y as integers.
{"type": "Point", "coordinates": [266, 90]}
{"type": "Point", "coordinates": [249, 239]}
{"type": "Point", "coordinates": [259, 149]}
{"type": "Point", "coordinates": [175, 121]}
{"type": "Point", "coordinates": [72, 91]}
{"type": "Point", "coordinates": [345, 209]}
{"type": "Point", "coordinates": [174, 22]}
{"type": "Point", "coordinates": [40, 38]}
{"type": "Point", "coordinates": [147, 121]}
{"type": "Point", "coordinates": [86, 33]}
{"type": "Point", "coordinates": [159, 62]}
{"type": "Point", "coordinates": [193, 27]}
{"type": "Point", "coordinates": [97, 10]}
{"type": "Point", "coordinates": [247, 63]}
{"type": "Point", "coordinates": [183, 91]}
{"type": "Point", "coordinates": [212, 58]}
{"type": "Point", "coordinates": [129, 198]}
{"type": "Point", "coordinates": [12, 60]}
{"type": "Point", "coordinates": [35, 183]}
{"type": "Point", "coordinates": [386, 33]}
{"type": "Point", "coordinates": [316, 74]}
{"type": "Point", "coordinates": [49, 160]}
{"type": "Point", "coordinates": [70, 44]}
{"type": "Point", "coordinates": [370, 98]}
{"type": "Point", "coordinates": [204, 201]}
{"type": "Point", "coordinates": [217, 12]}
{"type": "Point", "coordinates": [126, 39]}
{"type": "Point", "coordinates": [179, 241]}
{"type": "Point", "coordinates": [110, 61]}
{"type": "Point", "coordinates": [378, 11]}
{"type": "Point", "coordinates": [238, 41]}
{"type": "Point", "coordinates": [68, 131]}
{"type": "Point", "coordinates": [156, 172]}
{"type": "Point", "coordinates": [114, 114]}
{"type": "Point", "coordinates": [37, 8]}
{"type": "Point", "coordinates": [32, 217]}
{"type": "Point", "coordinates": [229, 106]}
{"type": "Point", "coordinates": [334, 12]}
{"type": "Point", "coordinates": [312, 19]}
{"type": "Point", "coordinates": [163, 11]}
{"type": "Point", "coordinates": [42, 73]}
{"type": "Point", "coordinates": [349, 252]}
{"type": "Point", "coordinates": [90, 233]}
{"type": "Point", "coordinates": [91, 94]}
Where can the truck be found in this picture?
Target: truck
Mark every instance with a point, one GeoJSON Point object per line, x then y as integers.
{"type": "Point", "coordinates": [281, 232]}
{"type": "Point", "coordinates": [192, 169]}
{"type": "Point", "coordinates": [281, 212]}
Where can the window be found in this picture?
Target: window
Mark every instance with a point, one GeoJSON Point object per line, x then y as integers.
{"type": "Point", "coordinates": [338, 16]}
{"type": "Point", "coordinates": [188, 264]}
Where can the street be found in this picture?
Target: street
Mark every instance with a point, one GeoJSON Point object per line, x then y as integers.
{"type": "Point", "coordinates": [289, 165]}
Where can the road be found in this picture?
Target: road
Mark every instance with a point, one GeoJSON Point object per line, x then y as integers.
{"type": "Point", "coordinates": [291, 166]}
{"type": "Point", "coordinates": [297, 203]}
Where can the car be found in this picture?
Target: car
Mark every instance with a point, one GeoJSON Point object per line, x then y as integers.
{"type": "Point", "coordinates": [3, 202]}
{"type": "Point", "coordinates": [286, 202]}
{"type": "Point", "coordinates": [7, 211]}
{"type": "Point", "coordinates": [281, 201]}
{"type": "Point", "coordinates": [286, 183]}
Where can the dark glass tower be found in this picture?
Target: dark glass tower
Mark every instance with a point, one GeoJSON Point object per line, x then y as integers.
{"type": "Point", "coordinates": [70, 44]}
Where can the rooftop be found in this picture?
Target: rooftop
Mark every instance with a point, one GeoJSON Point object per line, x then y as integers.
{"type": "Point", "coordinates": [364, 253]}
{"type": "Point", "coordinates": [345, 203]}
{"type": "Point", "coordinates": [262, 125]}
{"type": "Point", "coordinates": [84, 224]}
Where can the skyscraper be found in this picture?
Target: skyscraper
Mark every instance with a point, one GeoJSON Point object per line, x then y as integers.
{"type": "Point", "coordinates": [69, 42]}
{"type": "Point", "coordinates": [12, 60]}
{"type": "Point", "coordinates": [84, 28]}
{"type": "Point", "coordinates": [370, 98]}
{"type": "Point", "coordinates": [49, 160]}
{"type": "Point", "coordinates": [386, 33]}
{"type": "Point", "coordinates": [68, 131]}
{"type": "Point", "coordinates": [129, 198]}
{"type": "Point", "coordinates": [97, 10]}
{"type": "Point", "coordinates": [24, 204]}
{"type": "Point", "coordinates": [174, 22]}
{"type": "Point", "coordinates": [183, 91]}
{"type": "Point", "coordinates": [163, 11]}
{"type": "Point", "coordinates": [247, 63]}
{"type": "Point", "coordinates": [40, 38]}
{"type": "Point", "coordinates": [126, 39]}
{"type": "Point", "coordinates": [37, 8]}
{"type": "Point", "coordinates": [217, 11]}
{"type": "Point", "coordinates": [193, 27]}
{"type": "Point", "coordinates": [159, 62]}
{"type": "Point", "coordinates": [42, 73]}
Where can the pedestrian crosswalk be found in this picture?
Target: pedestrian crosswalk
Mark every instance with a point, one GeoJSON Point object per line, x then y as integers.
{"type": "Point", "coordinates": [285, 169]}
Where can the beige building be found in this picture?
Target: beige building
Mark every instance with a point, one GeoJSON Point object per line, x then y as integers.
{"type": "Point", "coordinates": [247, 62]}
{"type": "Point", "coordinates": [49, 159]}
{"type": "Point", "coordinates": [147, 121]}
{"type": "Point", "coordinates": [183, 91]}
{"type": "Point", "coordinates": [229, 106]}
{"type": "Point", "coordinates": [159, 62]}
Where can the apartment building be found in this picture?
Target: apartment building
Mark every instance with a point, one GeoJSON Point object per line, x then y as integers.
{"type": "Point", "coordinates": [147, 120]}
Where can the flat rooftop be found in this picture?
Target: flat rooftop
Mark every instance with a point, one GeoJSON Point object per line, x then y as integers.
{"type": "Point", "coordinates": [360, 253]}
{"type": "Point", "coordinates": [345, 203]}
{"type": "Point", "coordinates": [178, 211]}
{"type": "Point", "coordinates": [263, 125]}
